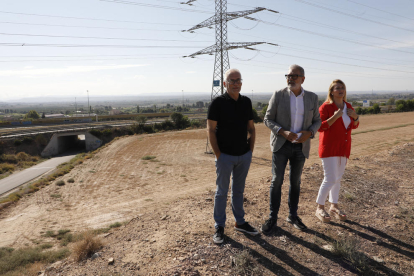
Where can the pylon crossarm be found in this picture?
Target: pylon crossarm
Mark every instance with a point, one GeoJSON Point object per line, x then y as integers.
{"type": "Point", "coordinates": [206, 51]}
{"type": "Point", "coordinates": [230, 16]}
{"type": "Point", "coordinates": [236, 45]}
{"type": "Point", "coordinates": [237, 14]}
{"type": "Point", "coordinates": [206, 23]}
{"type": "Point", "coordinates": [188, 2]}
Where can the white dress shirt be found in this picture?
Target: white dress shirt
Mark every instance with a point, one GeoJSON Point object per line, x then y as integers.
{"type": "Point", "coordinates": [345, 117]}
{"type": "Point", "coordinates": [297, 111]}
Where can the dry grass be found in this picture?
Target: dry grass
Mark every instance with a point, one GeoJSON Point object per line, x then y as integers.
{"type": "Point", "coordinates": [347, 248]}
{"type": "Point", "coordinates": [12, 261]}
{"type": "Point", "coordinates": [245, 265]}
{"type": "Point", "coordinates": [86, 247]}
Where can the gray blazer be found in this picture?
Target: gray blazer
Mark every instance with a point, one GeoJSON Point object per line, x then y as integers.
{"type": "Point", "coordinates": [278, 116]}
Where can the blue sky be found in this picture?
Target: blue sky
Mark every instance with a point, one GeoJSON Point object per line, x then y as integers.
{"type": "Point", "coordinates": [133, 47]}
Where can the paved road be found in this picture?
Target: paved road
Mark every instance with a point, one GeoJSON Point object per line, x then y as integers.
{"type": "Point", "coordinates": [20, 178]}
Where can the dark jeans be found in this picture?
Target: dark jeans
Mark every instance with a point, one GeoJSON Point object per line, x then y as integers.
{"type": "Point", "coordinates": [293, 153]}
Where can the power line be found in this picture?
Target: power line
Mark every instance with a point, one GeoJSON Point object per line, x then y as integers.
{"type": "Point", "coordinates": [154, 6]}
{"type": "Point", "coordinates": [362, 75]}
{"type": "Point", "coordinates": [323, 49]}
{"type": "Point", "coordinates": [341, 29]}
{"type": "Point", "coordinates": [23, 44]}
{"type": "Point", "coordinates": [92, 27]}
{"type": "Point", "coordinates": [86, 18]}
{"type": "Point", "coordinates": [327, 36]}
{"type": "Point", "coordinates": [357, 59]}
{"type": "Point", "coordinates": [399, 15]}
{"type": "Point", "coordinates": [106, 38]}
{"type": "Point", "coordinates": [353, 16]}
{"type": "Point", "coordinates": [346, 64]}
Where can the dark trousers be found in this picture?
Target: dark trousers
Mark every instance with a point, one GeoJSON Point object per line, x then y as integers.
{"type": "Point", "coordinates": [291, 152]}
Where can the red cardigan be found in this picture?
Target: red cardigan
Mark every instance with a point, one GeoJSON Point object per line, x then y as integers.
{"type": "Point", "coordinates": [334, 140]}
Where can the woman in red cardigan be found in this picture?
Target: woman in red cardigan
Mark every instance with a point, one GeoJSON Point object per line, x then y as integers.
{"type": "Point", "coordinates": [338, 119]}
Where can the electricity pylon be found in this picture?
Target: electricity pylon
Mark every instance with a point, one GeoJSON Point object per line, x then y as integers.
{"type": "Point", "coordinates": [220, 49]}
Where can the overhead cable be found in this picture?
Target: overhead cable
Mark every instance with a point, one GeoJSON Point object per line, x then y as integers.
{"type": "Point", "coordinates": [351, 15]}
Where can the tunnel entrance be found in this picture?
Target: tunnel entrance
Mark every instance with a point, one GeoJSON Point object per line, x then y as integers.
{"type": "Point", "coordinates": [71, 142]}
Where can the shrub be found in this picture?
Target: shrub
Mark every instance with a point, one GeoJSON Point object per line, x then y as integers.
{"type": "Point", "coordinates": [141, 119]}
{"type": "Point", "coordinates": [180, 121]}
{"type": "Point", "coordinates": [60, 183]}
{"type": "Point", "coordinates": [107, 132]}
{"type": "Point", "coordinates": [9, 158]}
{"type": "Point", "coordinates": [245, 264]}
{"type": "Point", "coordinates": [148, 157]}
{"type": "Point", "coordinates": [347, 249]}
{"type": "Point", "coordinates": [86, 247]}
{"type": "Point", "coordinates": [27, 140]}
{"type": "Point", "coordinates": [22, 156]}
{"type": "Point", "coordinates": [40, 140]}
{"type": "Point", "coordinates": [115, 225]}
{"type": "Point", "coordinates": [71, 180]}
{"type": "Point", "coordinates": [96, 132]}
{"type": "Point", "coordinates": [17, 142]}
{"type": "Point", "coordinates": [4, 168]}
{"type": "Point", "coordinates": [11, 260]}
{"type": "Point", "coordinates": [167, 125]}
{"type": "Point", "coordinates": [195, 123]}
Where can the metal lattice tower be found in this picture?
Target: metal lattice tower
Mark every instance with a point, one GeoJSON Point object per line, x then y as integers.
{"type": "Point", "coordinates": [220, 49]}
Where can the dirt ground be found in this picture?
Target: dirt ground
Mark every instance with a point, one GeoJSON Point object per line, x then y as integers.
{"type": "Point", "coordinates": [168, 203]}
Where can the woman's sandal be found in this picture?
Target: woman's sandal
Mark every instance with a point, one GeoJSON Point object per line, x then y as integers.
{"type": "Point", "coordinates": [338, 214]}
{"type": "Point", "coordinates": [322, 215]}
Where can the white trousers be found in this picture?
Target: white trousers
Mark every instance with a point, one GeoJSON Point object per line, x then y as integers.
{"type": "Point", "coordinates": [333, 168]}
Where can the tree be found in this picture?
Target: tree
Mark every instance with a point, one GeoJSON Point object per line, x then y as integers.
{"type": "Point", "coordinates": [137, 108]}
{"type": "Point", "coordinates": [376, 109]}
{"type": "Point", "coordinates": [391, 101]}
{"type": "Point", "coordinates": [43, 115]}
{"type": "Point", "coordinates": [32, 114]}
{"type": "Point", "coordinates": [264, 109]}
{"type": "Point", "coordinates": [141, 119]}
{"type": "Point", "coordinates": [180, 121]}
{"type": "Point", "coordinates": [256, 117]}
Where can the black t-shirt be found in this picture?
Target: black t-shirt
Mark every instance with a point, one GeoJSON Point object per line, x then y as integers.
{"type": "Point", "coordinates": [232, 118]}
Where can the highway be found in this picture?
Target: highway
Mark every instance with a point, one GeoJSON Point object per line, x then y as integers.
{"type": "Point", "coordinates": [17, 179]}
{"type": "Point", "coordinates": [11, 132]}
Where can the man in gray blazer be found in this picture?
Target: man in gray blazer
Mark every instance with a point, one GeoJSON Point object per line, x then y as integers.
{"type": "Point", "coordinates": [293, 117]}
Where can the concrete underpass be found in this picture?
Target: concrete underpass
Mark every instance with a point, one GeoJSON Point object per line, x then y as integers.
{"type": "Point", "coordinates": [71, 141]}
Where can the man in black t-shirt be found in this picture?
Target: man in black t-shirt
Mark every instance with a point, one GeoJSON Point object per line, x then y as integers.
{"type": "Point", "coordinates": [229, 119]}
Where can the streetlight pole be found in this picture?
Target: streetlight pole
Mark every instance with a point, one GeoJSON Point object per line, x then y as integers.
{"type": "Point", "coordinates": [89, 108]}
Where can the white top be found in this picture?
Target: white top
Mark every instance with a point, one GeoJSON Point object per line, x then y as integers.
{"type": "Point", "coordinates": [297, 111]}
{"type": "Point", "coordinates": [345, 117]}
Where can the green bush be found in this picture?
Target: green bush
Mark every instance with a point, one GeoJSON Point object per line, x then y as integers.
{"type": "Point", "coordinates": [60, 183]}
{"type": "Point", "coordinates": [107, 132]}
{"type": "Point", "coordinates": [167, 125]}
{"type": "Point", "coordinates": [27, 140]}
{"type": "Point", "coordinates": [180, 121]}
{"type": "Point", "coordinates": [195, 123]}
{"type": "Point", "coordinates": [11, 259]}
{"type": "Point", "coordinates": [96, 132]}
{"type": "Point", "coordinates": [17, 142]}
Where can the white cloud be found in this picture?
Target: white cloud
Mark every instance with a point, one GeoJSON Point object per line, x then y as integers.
{"type": "Point", "coordinates": [70, 69]}
{"type": "Point", "coordinates": [190, 72]}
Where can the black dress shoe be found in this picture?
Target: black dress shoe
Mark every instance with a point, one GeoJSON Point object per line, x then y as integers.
{"type": "Point", "coordinates": [297, 222]}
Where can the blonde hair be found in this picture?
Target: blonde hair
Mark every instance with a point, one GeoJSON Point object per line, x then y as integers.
{"type": "Point", "coordinates": [329, 98]}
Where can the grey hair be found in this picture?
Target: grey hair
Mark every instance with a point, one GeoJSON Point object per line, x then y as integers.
{"type": "Point", "coordinates": [228, 72]}
{"type": "Point", "coordinates": [295, 66]}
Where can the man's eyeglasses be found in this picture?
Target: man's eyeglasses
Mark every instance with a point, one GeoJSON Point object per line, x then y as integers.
{"type": "Point", "coordinates": [238, 81]}
{"type": "Point", "coordinates": [293, 77]}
